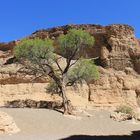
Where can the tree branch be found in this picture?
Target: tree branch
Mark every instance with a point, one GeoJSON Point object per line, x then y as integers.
{"type": "Point", "coordinates": [69, 60]}
{"type": "Point", "coordinates": [74, 63]}
{"type": "Point", "coordinates": [59, 66]}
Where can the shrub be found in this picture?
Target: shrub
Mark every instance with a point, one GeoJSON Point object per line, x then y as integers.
{"type": "Point", "coordinates": [124, 109]}
{"type": "Point", "coordinates": [53, 88]}
{"type": "Point", "coordinates": [84, 69]}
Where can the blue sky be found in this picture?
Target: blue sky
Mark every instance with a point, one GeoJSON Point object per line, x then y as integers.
{"type": "Point", "coordinates": [19, 18]}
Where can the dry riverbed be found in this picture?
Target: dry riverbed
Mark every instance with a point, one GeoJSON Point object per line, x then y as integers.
{"type": "Point", "coordinates": [43, 124]}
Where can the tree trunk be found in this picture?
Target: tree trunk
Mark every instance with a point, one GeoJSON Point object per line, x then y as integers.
{"type": "Point", "coordinates": [89, 92]}
{"type": "Point", "coordinates": [66, 103]}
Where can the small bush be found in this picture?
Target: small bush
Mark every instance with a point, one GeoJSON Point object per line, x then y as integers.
{"type": "Point", "coordinates": [52, 88]}
{"type": "Point", "coordinates": [124, 109]}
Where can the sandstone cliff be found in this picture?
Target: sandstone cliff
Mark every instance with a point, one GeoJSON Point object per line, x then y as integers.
{"type": "Point", "coordinates": [115, 45]}
{"type": "Point", "coordinates": [118, 56]}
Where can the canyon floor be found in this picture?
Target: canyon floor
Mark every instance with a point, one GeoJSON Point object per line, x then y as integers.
{"type": "Point", "coordinates": [43, 124]}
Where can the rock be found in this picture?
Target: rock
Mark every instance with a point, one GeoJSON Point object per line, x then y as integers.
{"type": "Point", "coordinates": [114, 88]}
{"type": "Point", "coordinates": [80, 89]}
{"type": "Point", "coordinates": [130, 71]}
{"type": "Point", "coordinates": [138, 91]}
{"type": "Point", "coordinates": [137, 117]}
{"type": "Point", "coordinates": [7, 124]}
{"type": "Point", "coordinates": [15, 104]}
{"type": "Point", "coordinates": [115, 45]}
{"type": "Point", "coordinates": [138, 98]}
{"type": "Point", "coordinates": [120, 116]}
{"type": "Point", "coordinates": [131, 83]}
{"type": "Point", "coordinates": [28, 103]}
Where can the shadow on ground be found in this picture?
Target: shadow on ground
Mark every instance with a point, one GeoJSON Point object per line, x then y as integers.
{"type": "Point", "coordinates": [134, 136]}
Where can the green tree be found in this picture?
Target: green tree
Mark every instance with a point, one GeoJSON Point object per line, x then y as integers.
{"type": "Point", "coordinates": [38, 58]}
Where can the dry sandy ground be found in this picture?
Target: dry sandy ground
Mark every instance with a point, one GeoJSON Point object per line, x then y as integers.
{"type": "Point", "coordinates": [42, 124]}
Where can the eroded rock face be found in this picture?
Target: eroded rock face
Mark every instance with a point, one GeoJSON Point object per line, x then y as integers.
{"type": "Point", "coordinates": [116, 87]}
{"type": "Point", "coordinates": [115, 45]}
{"type": "Point", "coordinates": [112, 89]}
{"type": "Point", "coordinates": [118, 53]}
{"type": "Point", "coordinates": [28, 103]}
{"type": "Point", "coordinates": [36, 92]}
{"type": "Point", "coordinates": [9, 70]}
{"type": "Point", "coordinates": [7, 124]}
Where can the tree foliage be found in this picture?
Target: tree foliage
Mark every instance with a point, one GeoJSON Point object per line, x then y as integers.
{"type": "Point", "coordinates": [124, 109]}
{"type": "Point", "coordinates": [84, 69]}
{"type": "Point", "coordinates": [31, 49]}
{"type": "Point", "coordinates": [35, 55]}
{"type": "Point", "coordinates": [74, 41]}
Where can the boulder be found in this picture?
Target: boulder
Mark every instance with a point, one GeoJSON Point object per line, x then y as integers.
{"type": "Point", "coordinates": [120, 116]}
{"type": "Point", "coordinates": [7, 124]}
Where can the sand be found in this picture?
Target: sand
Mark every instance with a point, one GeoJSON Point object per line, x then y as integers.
{"type": "Point", "coordinates": [43, 124]}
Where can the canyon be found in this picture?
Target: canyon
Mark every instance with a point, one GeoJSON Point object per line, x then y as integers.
{"type": "Point", "coordinates": [117, 53]}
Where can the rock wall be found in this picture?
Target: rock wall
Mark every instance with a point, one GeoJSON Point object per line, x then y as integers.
{"type": "Point", "coordinates": [118, 55]}
{"type": "Point", "coordinates": [116, 87]}
{"type": "Point", "coordinates": [112, 89]}
{"type": "Point", "coordinates": [36, 91]}
{"type": "Point", "coordinates": [115, 45]}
